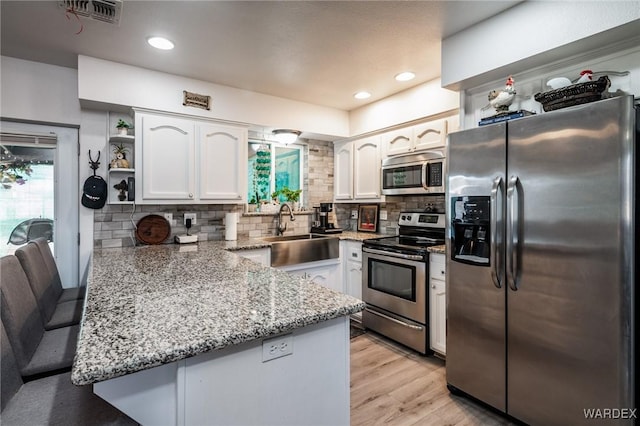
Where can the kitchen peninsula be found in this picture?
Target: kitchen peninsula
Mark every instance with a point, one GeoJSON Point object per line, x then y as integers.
{"type": "Point", "coordinates": [184, 335]}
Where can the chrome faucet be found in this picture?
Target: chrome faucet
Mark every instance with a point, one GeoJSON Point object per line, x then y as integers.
{"type": "Point", "coordinates": [280, 227]}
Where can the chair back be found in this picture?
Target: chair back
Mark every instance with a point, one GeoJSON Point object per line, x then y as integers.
{"type": "Point", "coordinates": [49, 261]}
{"type": "Point", "coordinates": [19, 311]}
{"type": "Point", "coordinates": [46, 294]}
{"type": "Point", "coordinates": [11, 379]}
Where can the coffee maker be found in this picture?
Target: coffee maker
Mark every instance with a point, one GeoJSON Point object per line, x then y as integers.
{"type": "Point", "coordinates": [324, 221]}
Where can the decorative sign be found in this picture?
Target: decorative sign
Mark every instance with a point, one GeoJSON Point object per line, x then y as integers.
{"type": "Point", "coordinates": [196, 100]}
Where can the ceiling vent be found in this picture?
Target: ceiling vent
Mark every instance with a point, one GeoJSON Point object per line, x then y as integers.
{"type": "Point", "coordinates": [101, 10]}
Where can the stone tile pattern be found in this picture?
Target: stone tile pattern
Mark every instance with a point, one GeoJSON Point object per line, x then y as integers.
{"type": "Point", "coordinates": [152, 305]}
{"type": "Point", "coordinates": [393, 205]}
{"type": "Point", "coordinates": [114, 225]}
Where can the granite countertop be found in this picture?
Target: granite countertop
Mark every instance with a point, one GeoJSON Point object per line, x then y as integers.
{"type": "Point", "coordinates": [151, 305]}
{"type": "Point", "coordinates": [437, 249]}
{"type": "Point", "coordinates": [257, 243]}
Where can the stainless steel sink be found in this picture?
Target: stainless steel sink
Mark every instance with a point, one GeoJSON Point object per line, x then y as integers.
{"type": "Point", "coordinates": [302, 248]}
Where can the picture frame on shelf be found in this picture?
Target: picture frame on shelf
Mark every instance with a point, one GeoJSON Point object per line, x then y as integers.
{"type": "Point", "coordinates": [368, 218]}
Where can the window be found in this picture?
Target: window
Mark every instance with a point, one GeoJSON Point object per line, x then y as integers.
{"type": "Point", "coordinates": [27, 193]}
{"type": "Point", "coordinates": [273, 167]}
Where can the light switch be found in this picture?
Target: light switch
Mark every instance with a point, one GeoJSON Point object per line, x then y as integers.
{"type": "Point", "coordinates": [383, 215]}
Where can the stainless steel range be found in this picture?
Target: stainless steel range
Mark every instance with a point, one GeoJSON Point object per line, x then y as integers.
{"type": "Point", "coordinates": [394, 279]}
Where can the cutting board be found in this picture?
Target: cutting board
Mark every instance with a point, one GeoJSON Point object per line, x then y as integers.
{"type": "Point", "coordinates": [153, 229]}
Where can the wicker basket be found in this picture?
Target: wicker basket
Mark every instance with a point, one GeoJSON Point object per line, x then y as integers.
{"type": "Point", "coordinates": [575, 94]}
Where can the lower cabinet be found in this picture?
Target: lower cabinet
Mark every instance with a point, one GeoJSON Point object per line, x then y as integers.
{"type": "Point", "coordinates": [437, 303]}
{"type": "Point", "coordinates": [324, 272]}
{"type": "Point", "coordinates": [352, 260]}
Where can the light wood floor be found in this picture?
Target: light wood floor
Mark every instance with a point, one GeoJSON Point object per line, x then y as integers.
{"type": "Point", "coordinates": [391, 385]}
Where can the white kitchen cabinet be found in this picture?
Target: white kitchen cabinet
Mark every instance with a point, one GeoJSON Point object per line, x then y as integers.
{"type": "Point", "coordinates": [437, 303]}
{"type": "Point", "coordinates": [343, 170]}
{"type": "Point", "coordinates": [398, 141]}
{"type": "Point", "coordinates": [186, 161]}
{"type": "Point", "coordinates": [324, 272]}
{"type": "Point", "coordinates": [430, 135]}
{"type": "Point", "coordinates": [366, 168]}
{"type": "Point", "coordinates": [223, 162]}
{"type": "Point", "coordinates": [167, 158]}
{"type": "Point", "coordinates": [261, 255]}
{"type": "Point", "coordinates": [421, 137]}
{"type": "Point", "coordinates": [352, 255]}
{"type": "Point", "coordinates": [357, 170]}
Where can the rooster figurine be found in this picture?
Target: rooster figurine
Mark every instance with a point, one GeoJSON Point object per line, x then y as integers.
{"type": "Point", "coordinates": [501, 99]}
{"type": "Point", "coordinates": [585, 76]}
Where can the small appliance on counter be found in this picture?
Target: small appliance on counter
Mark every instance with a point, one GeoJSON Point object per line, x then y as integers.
{"type": "Point", "coordinates": [324, 220]}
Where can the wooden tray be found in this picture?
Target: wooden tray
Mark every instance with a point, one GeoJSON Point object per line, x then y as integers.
{"type": "Point", "coordinates": [153, 229]}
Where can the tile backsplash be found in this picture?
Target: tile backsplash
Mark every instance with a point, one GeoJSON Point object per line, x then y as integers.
{"type": "Point", "coordinates": [114, 225]}
{"type": "Point", "coordinates": [393, 206]}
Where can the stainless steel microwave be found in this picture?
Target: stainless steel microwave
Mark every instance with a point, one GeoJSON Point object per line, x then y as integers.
{"type": "Point", "coordinates": [421, 173]}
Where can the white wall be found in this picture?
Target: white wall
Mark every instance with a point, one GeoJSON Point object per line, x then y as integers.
{"type": "Point", "coordinates": [112, 83]}
{"type": "Point", "coordinates": [424, 100]}
{"type": "Point", "coordinates": [532, 34]}
{"type": "Point", "coordinates": [38, 92]}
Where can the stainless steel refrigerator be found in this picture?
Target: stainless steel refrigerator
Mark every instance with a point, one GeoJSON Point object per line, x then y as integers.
{"type": "Point", "coordinates": [541, 264]}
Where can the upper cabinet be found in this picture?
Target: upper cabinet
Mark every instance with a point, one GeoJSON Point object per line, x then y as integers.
{"type": "Point", "coordinates": [357, 170]}
{"type": "Point", "coordinates": [343, 170]}
{"type": "Point", "coordinates": [421, 137]}
{"type": "Point", "coordinates": [168, 146]}
{"type": "Point", "coordinates": [185, 161]}
{"type": "Point", "coordinates": [223, 163]}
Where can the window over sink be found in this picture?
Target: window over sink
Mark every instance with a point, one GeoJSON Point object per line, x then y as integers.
{"type": "Point", "coordinates": [272, 167]}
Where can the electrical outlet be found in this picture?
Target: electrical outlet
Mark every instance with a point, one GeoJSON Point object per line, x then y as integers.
{"type": "Point", "coordinates": [191, 216]}
{"type": "Point", "coordinates": [383, 215]}
{"type": "Point", "coordinates": [277, 347]}
{"type": "Point", "coordinates": [354, 214]}
{"type": "Point", "coordinates": [169, 217]}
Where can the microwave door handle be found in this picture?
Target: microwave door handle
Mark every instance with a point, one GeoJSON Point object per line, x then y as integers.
{"type": "Point", "coordinates": [496, 208]}
{"type": "Point", "coordinates": [425, 184]}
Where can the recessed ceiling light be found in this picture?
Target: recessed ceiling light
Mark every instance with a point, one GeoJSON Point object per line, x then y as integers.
{"type": "Point", "coordinates": [362, 95]}
{"type": "Point", "coordinates": [160, 43]}
{"type": "Point", "coordinates": [405, 76]}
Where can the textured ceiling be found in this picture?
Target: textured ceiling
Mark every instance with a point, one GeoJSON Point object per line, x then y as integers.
{"type": "Point", "coordinates": [311, 51]}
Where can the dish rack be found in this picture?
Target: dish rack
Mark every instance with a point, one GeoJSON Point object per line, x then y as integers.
{"type": "Point", "coordinates": [576, 94]}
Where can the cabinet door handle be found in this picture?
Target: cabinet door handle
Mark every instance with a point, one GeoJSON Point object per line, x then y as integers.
{"type": "Point", "coordinates": [433, 286]}
{"type": "Point", "coordinates": [190, 195]}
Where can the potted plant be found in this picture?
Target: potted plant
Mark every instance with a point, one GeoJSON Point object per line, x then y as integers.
{"type": "Point", "coordinates": [292, 196]}
{"type": "Point", "coordinates": [120, 157]}
{"type": "Point", "coordinates": [253, 205]}
{"type": "Point", "coordinates": [123, 127]}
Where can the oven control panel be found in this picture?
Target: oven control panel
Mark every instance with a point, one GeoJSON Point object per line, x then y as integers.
{"type": "Point", "coordinates": [425, 220]}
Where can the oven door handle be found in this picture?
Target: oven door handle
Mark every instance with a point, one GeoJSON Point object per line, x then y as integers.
{"type": "Point", "coordinates": [402, 323]}
{"type": "Point", "coordinates": [393, 254]}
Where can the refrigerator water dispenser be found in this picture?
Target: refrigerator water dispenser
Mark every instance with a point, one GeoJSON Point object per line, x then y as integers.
{"type": "Point", "coordinates": [470, 227]}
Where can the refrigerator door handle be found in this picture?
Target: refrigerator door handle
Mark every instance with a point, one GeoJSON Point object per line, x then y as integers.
{"type": "Point", "coordinates": [512, 232]}
{"type": "Point", "coordinates": [496, 189]}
